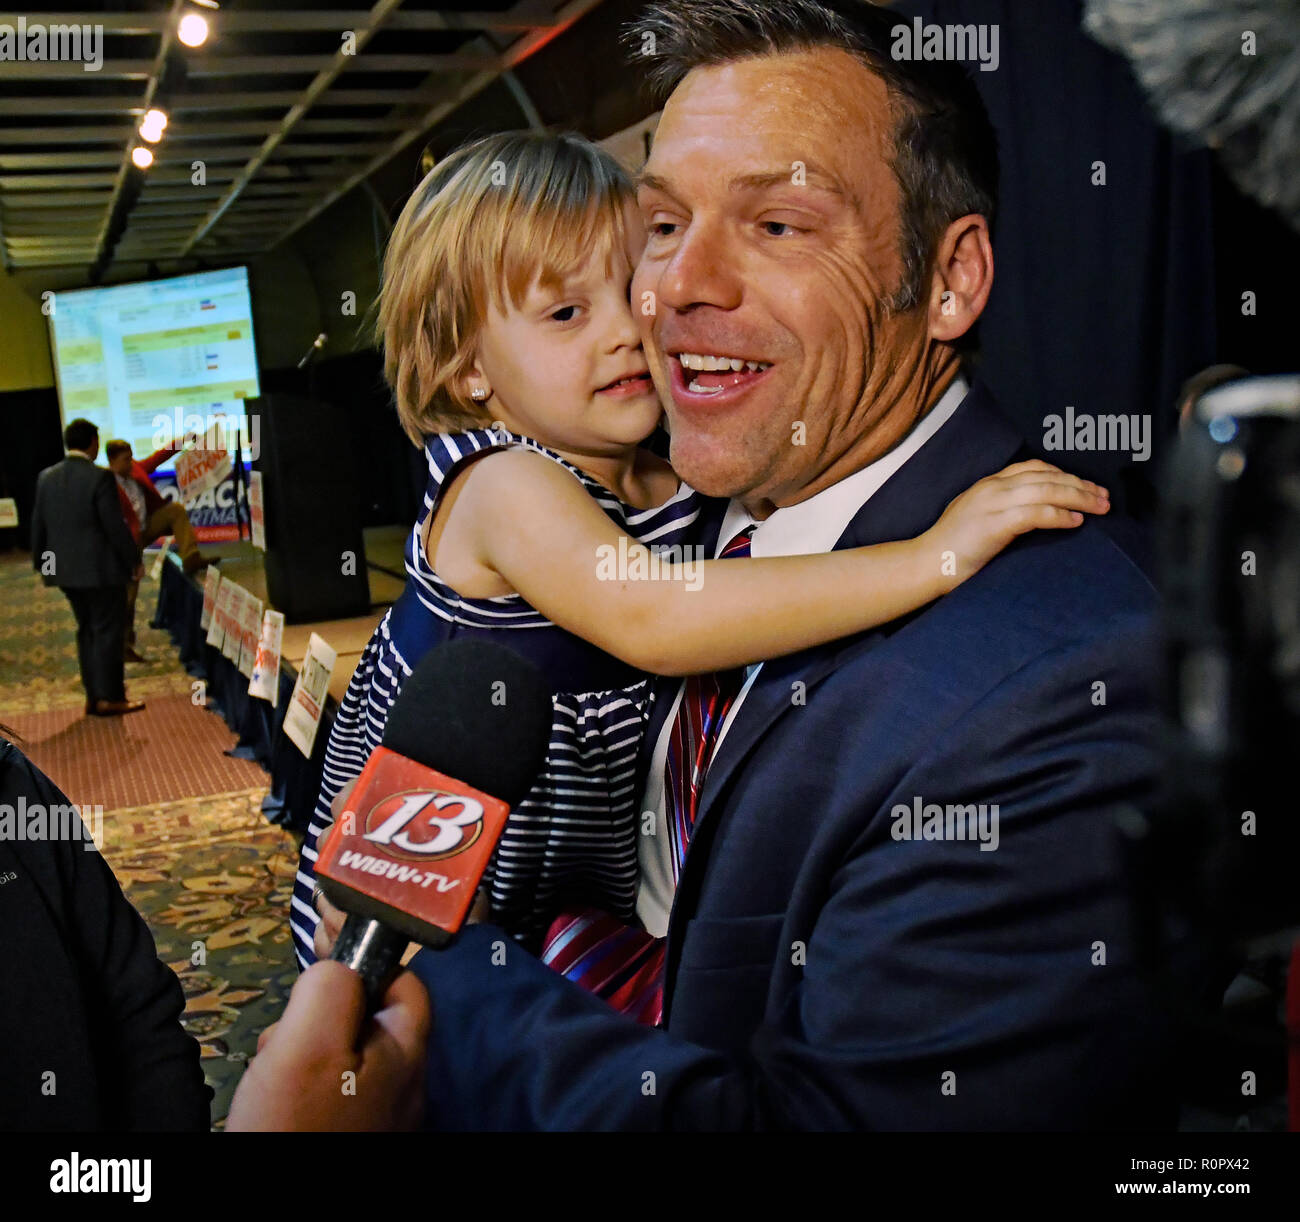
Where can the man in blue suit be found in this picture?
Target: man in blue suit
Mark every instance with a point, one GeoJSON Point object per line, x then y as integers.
{"type": "Point", "coordinates": [903, 904]}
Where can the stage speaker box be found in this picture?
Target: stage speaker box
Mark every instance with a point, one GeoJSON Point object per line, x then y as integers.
{"type": "Point", "coordinates": [315, 551]}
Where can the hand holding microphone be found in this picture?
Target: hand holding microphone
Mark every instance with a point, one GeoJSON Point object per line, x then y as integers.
{"type": "Point", "coordinates": [326, 1067]}
{"type": "Point", "coordinates": [410, 842]}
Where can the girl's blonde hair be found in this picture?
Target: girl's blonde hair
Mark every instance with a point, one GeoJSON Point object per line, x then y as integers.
{"type": "Point", "coordinates": [495, 216]}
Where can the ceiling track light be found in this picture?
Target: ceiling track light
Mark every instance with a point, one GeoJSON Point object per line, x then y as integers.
{"type": "Point", "coordinates": [193, 28]}
{"type": "Point", "coordinates": [141, 157]}
{"type": "Point", "coordinates": [153, 125]}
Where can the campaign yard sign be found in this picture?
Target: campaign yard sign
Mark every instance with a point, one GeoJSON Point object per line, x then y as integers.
{"type": "Point", "coordinates": [265, 680]}
{"type": "Point", "coordinates": [307, 704]}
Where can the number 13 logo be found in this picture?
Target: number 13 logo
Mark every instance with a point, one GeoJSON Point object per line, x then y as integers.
{"type": "Point", "coordinates": [451, 833]}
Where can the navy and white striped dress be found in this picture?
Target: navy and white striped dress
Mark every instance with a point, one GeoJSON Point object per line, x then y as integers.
{"type": "Point", "coordinates": [573, 838]}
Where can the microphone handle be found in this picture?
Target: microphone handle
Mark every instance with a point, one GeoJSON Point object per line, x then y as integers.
{"type": "Point", "coordinates": [374, 952]}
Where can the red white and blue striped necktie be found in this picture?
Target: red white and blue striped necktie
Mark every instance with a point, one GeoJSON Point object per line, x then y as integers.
{"type": "Point", "coordinates": [622, 963]}
{"type": "Point", "coordinates": [705, 701]}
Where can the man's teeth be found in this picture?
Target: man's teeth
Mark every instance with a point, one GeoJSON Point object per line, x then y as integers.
{"type": "Point", "coordinates": [714, 364]}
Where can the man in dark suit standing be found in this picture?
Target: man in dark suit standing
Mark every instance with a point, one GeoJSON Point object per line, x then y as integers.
{"type": "Point", "coordinates": [81, 544]}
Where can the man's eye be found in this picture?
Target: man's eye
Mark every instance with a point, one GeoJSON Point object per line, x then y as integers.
{"type": "Point", "coordinates": [785, 225]}
{"type": "Point", "coordinates": [564, 314]}
{"type": "Point", "coordinates": [663, 229]}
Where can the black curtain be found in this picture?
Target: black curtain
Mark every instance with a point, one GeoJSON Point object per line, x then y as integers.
{"type": "Point", "coordinates": [390, 473]}
{"type": "Point", "coordinates": [31, 439]}
{"type": "Point", "coordinates": [1104, 296]}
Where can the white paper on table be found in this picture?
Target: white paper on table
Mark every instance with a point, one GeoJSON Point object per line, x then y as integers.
{"type": "Point", "coordinates": [265, 682]}
{"type": "Point", "coordinates": [250, 631]}
{"type": "Point", "coordinates": [257, 509]}
{"type": "Point", "coordinates": [307, 704]}
{"type": "Point", "coordinates": [233, 626]}
{"type": "Point", "coordinates": [211, 584]}
{"type": "Point", "coordinates": [216, 625]}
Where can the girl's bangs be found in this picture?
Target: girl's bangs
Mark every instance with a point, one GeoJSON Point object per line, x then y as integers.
{"type": "Point", "coordinates": [546, 248]}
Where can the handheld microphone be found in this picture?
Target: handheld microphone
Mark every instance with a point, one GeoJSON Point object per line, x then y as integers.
{"type": "Point", "coordinates": [464, 742]}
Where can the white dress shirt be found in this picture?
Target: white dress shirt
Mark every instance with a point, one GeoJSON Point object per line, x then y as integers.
{"type": "Point", "coordinates": [812, 526]}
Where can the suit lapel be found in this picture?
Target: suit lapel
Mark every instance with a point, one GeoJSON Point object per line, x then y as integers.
{"type": "Point", "coordinates": [977, 441]}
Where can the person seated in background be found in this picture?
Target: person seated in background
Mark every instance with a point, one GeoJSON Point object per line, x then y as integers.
{"type": "Point", "coordinates": [149, 516]}
{"type": "Point", "coordinates": [90, 1031]}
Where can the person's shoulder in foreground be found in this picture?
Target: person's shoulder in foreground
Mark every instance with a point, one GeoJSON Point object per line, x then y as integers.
{"type": "Point", "coordinates": [90, 1019]}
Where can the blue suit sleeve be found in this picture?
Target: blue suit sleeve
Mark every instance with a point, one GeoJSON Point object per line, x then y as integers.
{"type": "Point", "coordinates": [945, 986]}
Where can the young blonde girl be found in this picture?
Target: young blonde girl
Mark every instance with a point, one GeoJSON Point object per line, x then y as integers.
{"type": "Point", "coordinates": [516, 364]}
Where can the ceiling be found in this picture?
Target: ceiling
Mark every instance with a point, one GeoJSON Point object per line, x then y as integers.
{"type": "Point", "coordinates": [284, 114]}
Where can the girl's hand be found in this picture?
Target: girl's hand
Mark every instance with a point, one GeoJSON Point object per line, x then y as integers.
{"type": "Point", "coordinates": [1026, 496]}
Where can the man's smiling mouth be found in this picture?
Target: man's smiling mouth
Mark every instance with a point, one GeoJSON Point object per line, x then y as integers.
{"type": "Point", "coordinates": [712, 373]}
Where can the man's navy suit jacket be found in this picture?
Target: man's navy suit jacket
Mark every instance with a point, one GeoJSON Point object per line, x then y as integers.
{"type": "Point", "coordinates": [824, 973]}
{"type": "Point", "coordinates": [77, 517]}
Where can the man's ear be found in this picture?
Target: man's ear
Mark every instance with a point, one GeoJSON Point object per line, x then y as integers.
{"type": "Point", "coordinates": [962, 280]}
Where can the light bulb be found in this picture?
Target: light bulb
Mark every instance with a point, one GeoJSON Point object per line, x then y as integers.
{"type": "Point", "coordinates": [142, 156]}
{"type": "Point", "coordinates": [156, 118]}
{"type": "Point", "coordinates": [193, 30]}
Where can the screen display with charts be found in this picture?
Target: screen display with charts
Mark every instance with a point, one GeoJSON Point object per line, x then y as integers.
{"type": "Point", "coordinates": [150, 361]}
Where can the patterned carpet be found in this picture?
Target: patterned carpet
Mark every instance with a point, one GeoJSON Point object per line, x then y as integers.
{"type": "Point", "coordinates": [38, 647]}
{"type": "Point", "coordinates": [212, 877]}
{"type": "Point", "coordinates": [183, 830]}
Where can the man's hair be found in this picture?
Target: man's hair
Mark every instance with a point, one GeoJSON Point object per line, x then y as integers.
{"type": "Point", "coordinates": [488, 221]}
{"type": "Point", "coordinates": [80, 435]}
{"type": "Point", "coordinates": [945, 149]}
{"type": "Point", "coordinates": [116, 447]}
